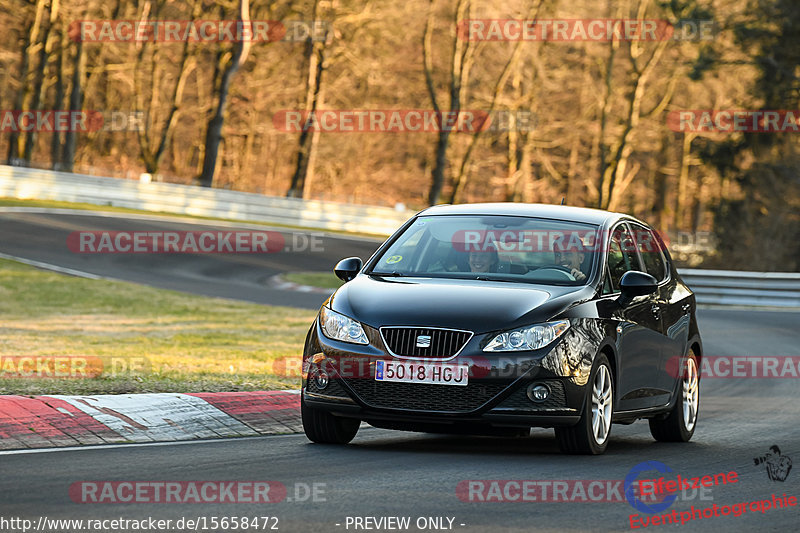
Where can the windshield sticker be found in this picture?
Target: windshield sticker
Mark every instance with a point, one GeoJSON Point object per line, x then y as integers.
{"type": "Point", "coordinates": [394, 259]}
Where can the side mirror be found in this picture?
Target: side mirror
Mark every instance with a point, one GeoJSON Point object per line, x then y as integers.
{"type": "Point", "coordinates": [346, 269]}
{"type": "Point", "coordinates": [635, 283]}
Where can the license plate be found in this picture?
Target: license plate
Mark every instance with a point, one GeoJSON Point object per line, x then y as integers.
{"type": "Point", "coordinates": [434, 374]}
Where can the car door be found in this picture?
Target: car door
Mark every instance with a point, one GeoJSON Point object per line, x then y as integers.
{"type": "Point", "coordinates": [639, 334]}
{"type": "Point", "coordinates": [674, 306]}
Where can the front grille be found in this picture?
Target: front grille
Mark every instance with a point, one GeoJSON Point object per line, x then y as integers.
{"type": "Point", "coordinates": [424, 397]}
{"type": "Point", "coordinates": [444, 343]}
{"type": "Point", "coordinates": [519, 398]}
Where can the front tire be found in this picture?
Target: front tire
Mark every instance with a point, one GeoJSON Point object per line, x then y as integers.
{"type": "Point", "coordinates": [324, 428]}
{"type": "Point", "coordinates": [680, 423]}
{"type": "Point", "coordinates": [590, 435]}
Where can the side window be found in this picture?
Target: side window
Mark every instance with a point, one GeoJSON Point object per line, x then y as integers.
{"type": "Point", "coordinates": [621, 255]}
{"type": "Point", "coordinates": [650, 251]}
{"type": "Point", "coordinates": [607, 286]}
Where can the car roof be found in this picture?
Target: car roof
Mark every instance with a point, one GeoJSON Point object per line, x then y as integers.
{"type": "Point", "coordinates": [556, 212]}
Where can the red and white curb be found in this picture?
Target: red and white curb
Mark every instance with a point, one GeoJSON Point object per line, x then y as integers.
{"type": "Point", "coordinates": [56, 421]}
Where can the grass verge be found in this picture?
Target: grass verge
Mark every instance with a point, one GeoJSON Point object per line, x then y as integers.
{"type": "Point", "coordinates": [182, 343]}
{"type": "Point", "coordinates": [325, 280]}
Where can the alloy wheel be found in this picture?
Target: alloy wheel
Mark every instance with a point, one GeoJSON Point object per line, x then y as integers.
{"type": "Point", "coordinates": [602, 397]}
{"type": "Point", "coordinates": [691, 396]}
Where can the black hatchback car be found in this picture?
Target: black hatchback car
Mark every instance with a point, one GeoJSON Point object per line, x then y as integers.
{"type": "Point", "coordinates": [495, 318]}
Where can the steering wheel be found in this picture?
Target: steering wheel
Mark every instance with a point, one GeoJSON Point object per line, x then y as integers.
{"type": "Point", "coordinates": [559, 268]}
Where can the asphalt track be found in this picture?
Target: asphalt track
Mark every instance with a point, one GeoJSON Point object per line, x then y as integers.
{"type": "Point", "coordinates": [39, 235]}
{"type": "Point", "coordinates": [386, 473]}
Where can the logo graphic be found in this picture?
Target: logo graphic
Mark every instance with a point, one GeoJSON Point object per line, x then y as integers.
{"type": "Point", "coordinates": [423, 341]}
{"type": "Point", "coordinates": [630, 484]}
{"type": "Point", "coordinates": [778, 466]}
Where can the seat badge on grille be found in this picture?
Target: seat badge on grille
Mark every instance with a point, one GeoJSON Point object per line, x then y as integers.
{"type": "Point", "coordinates": [423, 341]}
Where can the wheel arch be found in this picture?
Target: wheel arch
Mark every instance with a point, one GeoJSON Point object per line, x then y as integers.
{"type": "Point", "coordinates": [608, 350]}
{"type": "Point", "coordinates": [695, 346]}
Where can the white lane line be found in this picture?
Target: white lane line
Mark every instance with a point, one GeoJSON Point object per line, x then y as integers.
{"type": "Point", "coordinates": [159, 417]}
{"type": "Point", "coordinates": [54, 268]}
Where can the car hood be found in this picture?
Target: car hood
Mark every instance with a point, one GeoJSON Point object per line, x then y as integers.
{"type": "Point", "coordinates": [479, 306]}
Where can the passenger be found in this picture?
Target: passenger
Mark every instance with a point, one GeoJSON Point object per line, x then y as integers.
{"type": "Point", "coordinates": [484, 261]}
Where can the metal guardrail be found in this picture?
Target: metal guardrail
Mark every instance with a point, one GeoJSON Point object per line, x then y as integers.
{"type": "Point", "coordinates": [27, 183]}
{"type": "Point", "coordinates": [730, 287]}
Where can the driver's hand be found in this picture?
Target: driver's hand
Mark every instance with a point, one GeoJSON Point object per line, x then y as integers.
{"type": "Point", "coordinates": [577, 274]}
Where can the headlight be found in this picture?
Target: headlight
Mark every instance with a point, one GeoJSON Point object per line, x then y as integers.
{"type": "Point", "coordinates": [337, 326]}
{"type": "Point", "coordinates": [528, 338]}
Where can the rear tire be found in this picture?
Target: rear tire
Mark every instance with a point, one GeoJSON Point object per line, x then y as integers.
{"type": "Point", "coordinates": [591, 434]}
{"type": "Point", "coordinates": [324, 428]}
{"type": "Point", "coordinates": [680, 423]}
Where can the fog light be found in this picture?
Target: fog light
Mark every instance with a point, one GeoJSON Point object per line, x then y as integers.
{"type": "Point", "coordinates": [538, 392]}
{"type": "Point", "coordinates": [321, 379]}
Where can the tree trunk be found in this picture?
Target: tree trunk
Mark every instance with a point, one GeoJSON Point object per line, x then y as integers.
{"type": "Point", "coordinates": [45, 51]}
{"type": "Point", "coordinates": [214, 129]}
{"type": "Point", "coordinates": [683, 180]}
{"type": "Point", "coordinates": [615, 167]}
{"type": "Point", "coordinates": [437, 176]}
{"type": "Point", "coordinates": [55, 141]}
{"type": "Point", "coordinates": [460, 51]}
{"type": "Point", "coordinates": [75, 104]}
{"type": "Point", "coordinates": [307, 144]}
{"type": "Point", "coordinates": [14, 148]}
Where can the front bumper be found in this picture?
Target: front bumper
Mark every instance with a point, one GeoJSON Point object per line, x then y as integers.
{"type": "Point", "coordinates": [496, 395]}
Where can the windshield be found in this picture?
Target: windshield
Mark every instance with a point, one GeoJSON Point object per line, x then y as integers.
{"type": "Point", "coordinates": [495, 248]}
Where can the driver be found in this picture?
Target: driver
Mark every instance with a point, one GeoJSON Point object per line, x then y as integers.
{"type": "Point", "coordinates": [571, 259]}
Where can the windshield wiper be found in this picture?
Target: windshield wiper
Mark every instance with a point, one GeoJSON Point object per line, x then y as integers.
{"type": "Point", "coordinates": [393, 274]}
{"type": "Point", "coordinates": [487, 278]}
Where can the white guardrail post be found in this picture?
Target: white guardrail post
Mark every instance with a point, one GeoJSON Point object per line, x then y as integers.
{"type": "Point", "coordinates": [29, 183]}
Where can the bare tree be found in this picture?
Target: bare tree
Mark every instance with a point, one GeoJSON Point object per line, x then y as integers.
{"type": "Point", "coordinates": [15, 150]}
{"type": "Point", "coordinates": [36, 95]}
{"type": "Point", "coordinates": [460, 179]}
{"type": "Point", "coordinates": [614, 164]}
{"type": "Point", "coordinates": [75, 104]}
{"type": "Point", "coordinates": [315, 61]}
{"type": "Point", "coordinates": [152, 146]}
{"type": "Point", "coordinates": [60, 91]}
{"type": "Point", "coordinates": [214, 128]}
{"type": "Point", "coordinates": [461, 58]}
